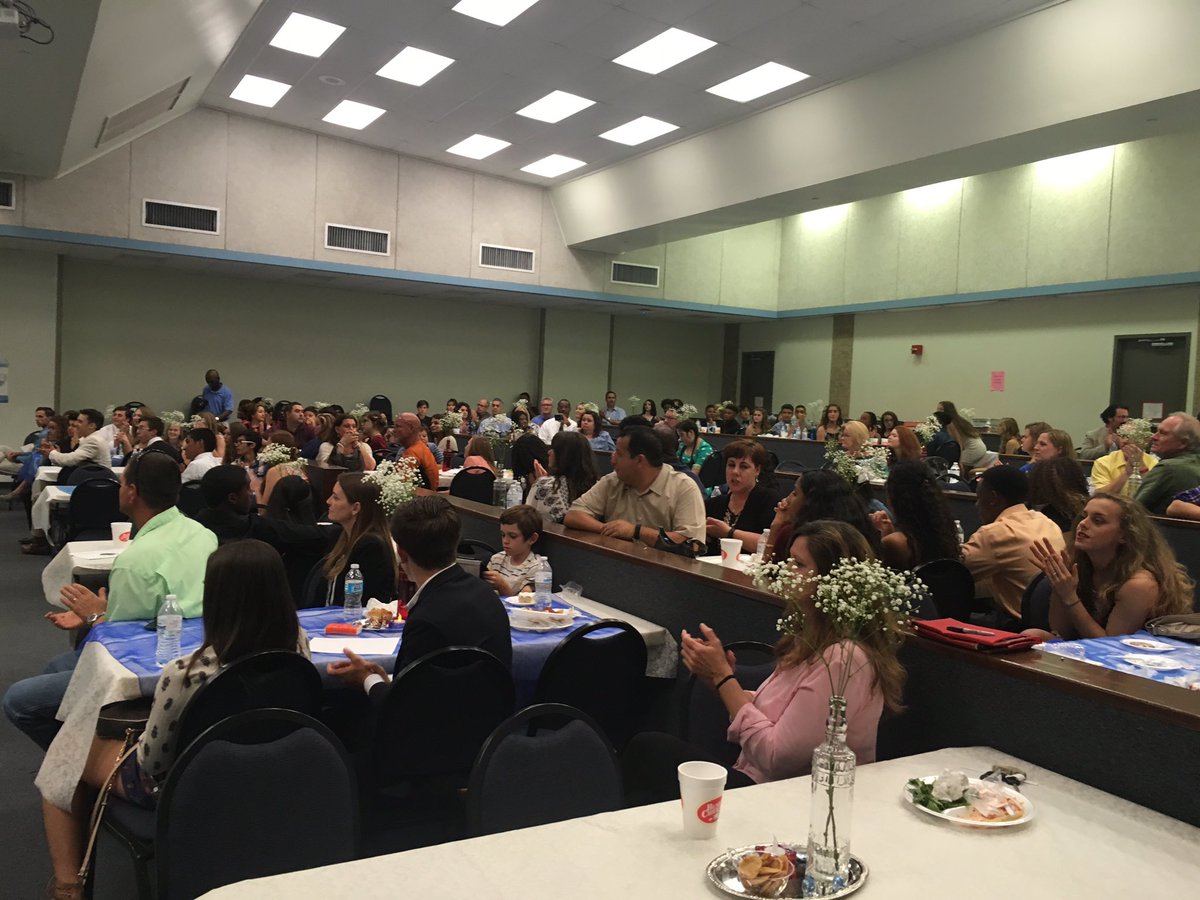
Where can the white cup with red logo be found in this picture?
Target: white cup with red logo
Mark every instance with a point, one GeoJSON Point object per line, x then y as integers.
{"type": "Point", "coordinates": [701, 785]}
{"type": "Point", "coordinates": [121, 532]}
{"type": "Point", "coordinates": [730, 548]}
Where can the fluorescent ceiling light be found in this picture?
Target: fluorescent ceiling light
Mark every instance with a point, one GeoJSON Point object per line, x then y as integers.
{"type": "Point", "coordinates": [353, 115]}
{"type": "Point", "coordinates": [553, 165]}
{"type": "Point", "coordinates": [259, 91]}
{"type": "Point", "coordinates": [660, 53]}
{"type": "Point", "coordinates": [638, 131]}
{"type": "Point", "coordinates": [757, 82]}
{"type": "Point", "coordinates": [497, 12]}
{"type": "Point", "coordinates": [304, 34]}
{"type": "Point", "coordinates": [413, 66]}
{"type": "Point", "coordinates": [478, 146]}
{"type": "Point", "coordinates": [555, 107]}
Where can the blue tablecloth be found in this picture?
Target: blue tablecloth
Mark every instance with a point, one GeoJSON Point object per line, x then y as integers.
{"type": "Point", "coordinates": [133, 646]}
{"type": "Point", "coordinates": [1113, 653]}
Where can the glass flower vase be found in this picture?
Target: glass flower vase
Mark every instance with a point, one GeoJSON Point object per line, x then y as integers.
{"type": "Point", "coordinates": [833, 765]}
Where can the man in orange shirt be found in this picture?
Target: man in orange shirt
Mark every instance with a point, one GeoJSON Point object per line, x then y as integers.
{"type": "Point", "coordinates": [407, 432]}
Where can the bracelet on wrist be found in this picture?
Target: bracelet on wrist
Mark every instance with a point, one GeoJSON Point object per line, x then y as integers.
{"type": "Point", "coordinates": [729, 677]}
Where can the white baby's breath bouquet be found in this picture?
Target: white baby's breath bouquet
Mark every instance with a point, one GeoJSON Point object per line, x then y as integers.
{"type": "Point", "coordinates": [927, 429]}
{"type": "Point", "coordinates": [840, 462]}
{"type": "Point", "coordinates": [274, 454]}
{"type": "Point", "coordinates": [171, 417]}
{"type": "Point", "coordinates": [451, 422]}
{"type": "Point", "coordinates": [359, 411]}
{"type": "Point", "coordinates": [635, 399]}
{"type": "Point", "coordinates": [1136, 431]}
{"type": "Point", "coordinates": [688, 411]}
{"type": "Point", "coordinates": [591, 407]}
{"type": "Point", "coordinates": [397, 482]}
{"type": "Point", "coordinates": [321, 405]}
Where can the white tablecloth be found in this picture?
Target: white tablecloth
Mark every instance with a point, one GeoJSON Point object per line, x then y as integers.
{"type": "Point", "coordinates": [444, 478]}
{"type": "Point", "coordinates": [76, 558]}
{"type": "Point", "coordinates": [662, 651]}
{"type": "Point", "coordinates": [1083, 843]}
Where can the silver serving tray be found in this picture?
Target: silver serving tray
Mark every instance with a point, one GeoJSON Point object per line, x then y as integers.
{"type": "Point", "coordinates": [722, 873]}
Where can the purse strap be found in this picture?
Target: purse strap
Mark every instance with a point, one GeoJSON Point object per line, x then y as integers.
{"type": "Point", "coordinates": [128, 748]}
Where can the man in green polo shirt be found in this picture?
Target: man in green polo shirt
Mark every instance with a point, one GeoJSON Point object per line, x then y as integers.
{"type": "Point", "coordinates": [168, 556]}
{"type": "Point", "coordinates": [1177, 445]}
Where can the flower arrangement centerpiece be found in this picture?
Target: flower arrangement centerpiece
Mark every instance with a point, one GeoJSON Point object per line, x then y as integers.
{"type": "Point", "coordinates": [359, 411]}
{"type": "Point", "coordinates": [635, 400]}
{"type": "Point", "coordinates": [321, 405]}
{"type": "Point", "coordinates": [496, 434]}
{"type": "Point", "coordinates": [1137, 431]}
{"type": "Point", "coordinates": [927, 429]}
{"type": "Point", "coordinates": [274, 454]}
{"type": "Point", "coordinates": [688, 411]}
{"type": "Point", "coordinates": [591, 407]}
{"type": "Point", "coordinates": [856, 599]}
{"type": "Point", "coordinates": [871, 463]}
{"type": "Point", "coordinates": [397, 482]}
{"type": "Point", "coordinates": [451, 422]}
{"type": "Point", "coordinates": [171, 417]}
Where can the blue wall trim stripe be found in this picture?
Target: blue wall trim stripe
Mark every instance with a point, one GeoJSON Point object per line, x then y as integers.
{"type": "Point", "coordinates": [507, 287]}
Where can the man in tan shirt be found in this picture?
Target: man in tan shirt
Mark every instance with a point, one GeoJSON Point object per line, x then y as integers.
{"type": "Point", "coordinates": [999, 554]}
{"type": "Point", "coordinates": [640, 496]}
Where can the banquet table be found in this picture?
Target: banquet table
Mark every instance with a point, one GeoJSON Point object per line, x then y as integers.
{"type": "Point", "coordinates": [447, 476]}
{"type": "Point", "coordinates": [1177, 664]}
{"type": "Point", "coordinates": [1082, 842]}
{"type": "Point", "coordinates": [78, 558]}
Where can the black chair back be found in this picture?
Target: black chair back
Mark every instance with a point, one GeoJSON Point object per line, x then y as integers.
{"type": "Point", "coordinates": [191, 499]}
{"type": "Point", "coordinates": [1035, 604]}
{"type": "Point", "coordinates": [88, 472]}
{"type": "Point", "coordinates": [547, 763]}
{"type": "Point", "coordinates": [380, 403]}
{"type": "Point", "coordinates": [261, 793]}
{"type": "Point", "coordinates": [602, 675]}
{"type": "Point", "coordinates": [473, 483]}
{"type": "Point", "coordinates": [712, 472]}
{"type": "Point", "coordinates": [270, 679]}
{"type": "Point", "coordinates": [951, 586]}
{"type": "Point", "coordinates": [94, 506]}
{"type": "Point", "coordinates": [703, 719]}
{"type": "Point", "coordinates": [474, 555]}
{"type": "Point", "coordinates": [437, 714]}
{"type": "Point", "coordinates": [950, 451]}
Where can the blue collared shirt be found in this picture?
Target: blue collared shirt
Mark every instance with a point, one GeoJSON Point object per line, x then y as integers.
{"type": "Point", "coordinates": [614, 416]}
{"type": "Point", "coordinates": [220, 401]}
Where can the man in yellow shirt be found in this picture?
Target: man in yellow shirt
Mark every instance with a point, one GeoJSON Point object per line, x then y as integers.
{"type": "Point", "coordinates": [1109, 472]}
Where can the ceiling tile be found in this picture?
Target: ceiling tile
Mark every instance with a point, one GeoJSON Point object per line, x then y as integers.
{"type": "Point", "coordinates": [723, 21]}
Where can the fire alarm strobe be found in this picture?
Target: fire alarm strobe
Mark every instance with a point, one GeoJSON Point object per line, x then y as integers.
{"type": "Point", "coordinates": [918, 349]}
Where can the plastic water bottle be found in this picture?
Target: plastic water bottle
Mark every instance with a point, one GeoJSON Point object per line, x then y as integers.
{"type": "Point", "coordinates": [543, 585]}
{"type": "Point", "coordinates": [115, 455]}
{"type": "Point", "coordinates": [353, 590]}
{"type": "Point", "coordinates": [958, 532]}
{"type": "Point", "coordinates": [500, 492]}
{"type": "Point", "coordinates": [515, 494]}
{"type": "Point", "coordinates": [762, 544]}
{"type": "Point", "coordinates": [170, 631]}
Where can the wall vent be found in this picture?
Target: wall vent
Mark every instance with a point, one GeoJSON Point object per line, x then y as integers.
{"type": "Point", "coordinates": [178, 217]}
{"type": "Point", "coordinates": [514, 258]}
{"type": "Point", "coordinates": [632, 273]}
{"type": "Point", "coordinates": [140, 113]}
{"type": "Point", "coordinates": [8, 195]}
{"type": "Point", "coordinates": [356, 240]}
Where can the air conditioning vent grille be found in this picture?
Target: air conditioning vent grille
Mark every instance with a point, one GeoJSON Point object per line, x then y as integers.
{"type": "Point", "coordinates": [493, 257]}
{"type": "Point", "coordinates": [158, 214]}
{"type": "Point", "coordinates": [357, 240]}
{"type": "Point", "coordinates": [8, 194]}
{"type": "Point", "coordinates": [631, 273]}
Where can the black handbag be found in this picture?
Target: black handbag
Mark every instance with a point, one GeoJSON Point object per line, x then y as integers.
{"type": "Point", "coordinates": [683, 548]}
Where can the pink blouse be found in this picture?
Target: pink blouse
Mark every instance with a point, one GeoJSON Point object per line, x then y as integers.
{"type": "Point", "coordinates": [779, 729]}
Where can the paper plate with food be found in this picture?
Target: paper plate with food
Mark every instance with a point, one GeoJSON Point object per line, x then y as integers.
{"type": "Point", "coordinates": [525, 598]}
{"type": "Point", "coordinates": [1141, 643]}
{"type": "Point", "coordinates": [551, 618]}
{"type": "Point", "coordinates": [380, 616]}
{"type": "Point", "coordinates": [969, 801]}
{"type": "Point", "coordinates": [771, 870]}
{"type": "Point", "coordinates": [1158, 663]}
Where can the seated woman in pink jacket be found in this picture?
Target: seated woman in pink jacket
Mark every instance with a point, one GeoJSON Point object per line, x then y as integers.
{"type": "Point", "coordinates": [778, 726]}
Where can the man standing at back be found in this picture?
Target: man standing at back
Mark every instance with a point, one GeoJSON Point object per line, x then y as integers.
{"type": "Point", "coordinates": [1177, 445]}
{"type": "Point", "coordinates": [218, 398]}
{"type": "Point", "coordinates": [407, 432]}
{"type": "Point", "coordinates": [168, 555]}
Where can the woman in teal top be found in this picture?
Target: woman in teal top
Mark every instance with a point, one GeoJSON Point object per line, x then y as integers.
{"type": "Point", "coordinates": [693, 449]}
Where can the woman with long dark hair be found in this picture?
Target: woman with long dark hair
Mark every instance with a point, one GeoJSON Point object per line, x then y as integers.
{"type": "Point", "coordinates": [365, 541]}
{"type": "Point", "coordinates": [921, 528]}
{"type": "Point", "coordinates": [1058, 489]}
{"type": "Point", "coordinates": [571, 474]}
{"type": "Point", "coordinates": [831, 423]}
{"type": "Point", "coordinates": [818, 494]}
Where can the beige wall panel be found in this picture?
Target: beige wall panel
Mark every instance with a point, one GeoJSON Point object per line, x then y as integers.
{"type": "Point", "coordinates": [356, 186]}
{"type": "Point", "coordinates": [93, 199]}
{"type": "Point", "coordinates": [506, 214]}
{"type": "Point", "coordinates": [184, 162]}
{"type": "Point", "coordinates": [929, 226]}
{"type": "Point", "coordinates": [872, 249]}
{"type": "Point", "coordinates": [802, 358]}
{"type": "Point", "coordinates": [646, 256]}
{"type": "Point", "coordinates": [434, 212]}
{"type": "Point", "coordinates": [1155, 207]}
{"type": "Point", "coordinates": [29, 310]}
{"type": "Point", "coordinates": [694, 267]}
{"type": "Point", "coordinates": [789, 262]}
{"type": "Point", "coordinates": [750, 266]}
{"type": "Point", "coordinates": [1056, 353]}
{"type": "Point", "coordinates": [344, 365]}
{"type": "Point", "coordinates": [994, 237]}
{"type": "Point", "coordinates": [1068, 218]}
{"type": "Point", "coordinates": [820, 259]}
{"type": "Point", "coordinates": [560, 266]}
{"type": "Point", "coordinates": [17, 215]}
{"type": "Point", "coordinates": [655, 358]}
{"type": "Point", "coordinates": [575, 356]}
{"type": "Point", "coordinates": [272, 189]}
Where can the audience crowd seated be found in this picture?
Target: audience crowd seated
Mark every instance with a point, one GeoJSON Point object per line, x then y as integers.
{"type": "Point", "coordinates": [571, 473]}
{"type": "Point", "coordinates": [747, 506]}
{"type": "Point", "coordinates": [920, 528]}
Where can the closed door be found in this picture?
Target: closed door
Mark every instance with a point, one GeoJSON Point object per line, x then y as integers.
{"type": "Point", "coordinates": [758, 378]}
{"type": "Point", "coordinates": [1150, 373]}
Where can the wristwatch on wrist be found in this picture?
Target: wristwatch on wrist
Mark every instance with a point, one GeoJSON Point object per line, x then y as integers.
{"type": "Point", "coordinates": [93, 618]}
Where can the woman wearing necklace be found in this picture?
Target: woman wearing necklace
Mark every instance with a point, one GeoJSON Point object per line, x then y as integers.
{"type": "Point", "coordinates": [746, 507]}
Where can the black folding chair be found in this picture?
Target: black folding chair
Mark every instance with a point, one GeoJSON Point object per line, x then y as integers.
{"type": "Point", "coordinates": [547, 763]}
{"type": "Point", "coordinates": [474, 555]}
{"type": "Point", "coordinates": [951, 587]}
{"type": "Point", "coordinates": [602, 675]}
{"type": "Point", "coordinates": [703, 719]}
{"type": "Point", "coordinates": [380, 403]}
{"type": "Point", "coordinates": [191, 499]}
{"type": "Point", "coordinates": [473, 483]}
{"type": "Point", "coordinates": [94, 506]}
{"type": "Point", "coordinates": [1035, 604]}
{"type": "Point", "coordinates": [712, 472]}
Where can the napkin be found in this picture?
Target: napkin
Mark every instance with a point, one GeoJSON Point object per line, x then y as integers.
{"type": "Point", "coordinates": [993, 640]}
{"type": "Point", "coordinates": [398, 610]}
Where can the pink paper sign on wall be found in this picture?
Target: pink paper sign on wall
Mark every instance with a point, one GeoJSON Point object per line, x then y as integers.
{"type": "Point", "coordinates": [998, 381]}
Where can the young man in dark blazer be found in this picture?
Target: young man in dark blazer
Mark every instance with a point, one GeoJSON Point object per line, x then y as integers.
{"type": "Point", "coordinates": [450, 607]}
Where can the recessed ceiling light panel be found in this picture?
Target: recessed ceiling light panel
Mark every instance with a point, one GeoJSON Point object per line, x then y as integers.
{"type": "Point", "coordinates": [638, 131]}
{"type": "Point", "coordinates": [478, 146]}
{"type": "Point", "coordinates": [495, 12]}
{"type": "Point", "coordinates": [306, 35]}
{"type": "Point", "coordinates": [413, 66]}
{"type": "Point", "coordinates": [658, 54]}
{"type": "Point", "coordinates": [555, 107]}
{"type": "Point", "coordinates": [757, 82]}
{"type": "Point", "coordinates": [553, 165]}
{"type": "Point", "coordinates": [353, 115]}
{"type": "Point", "coordinates": [259, 91]}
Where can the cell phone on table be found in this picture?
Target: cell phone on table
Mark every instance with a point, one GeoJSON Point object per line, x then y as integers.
{"type": "Point", "coordinates": [152, 625]}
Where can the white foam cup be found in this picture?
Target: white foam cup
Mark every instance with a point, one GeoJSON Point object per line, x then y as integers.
{"type": "Point", "coordinates": [120, 532]}
{"type": "Point", "coordinates": [730, 548]}
{"type": "Point", "coordinates": [701, 786]}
